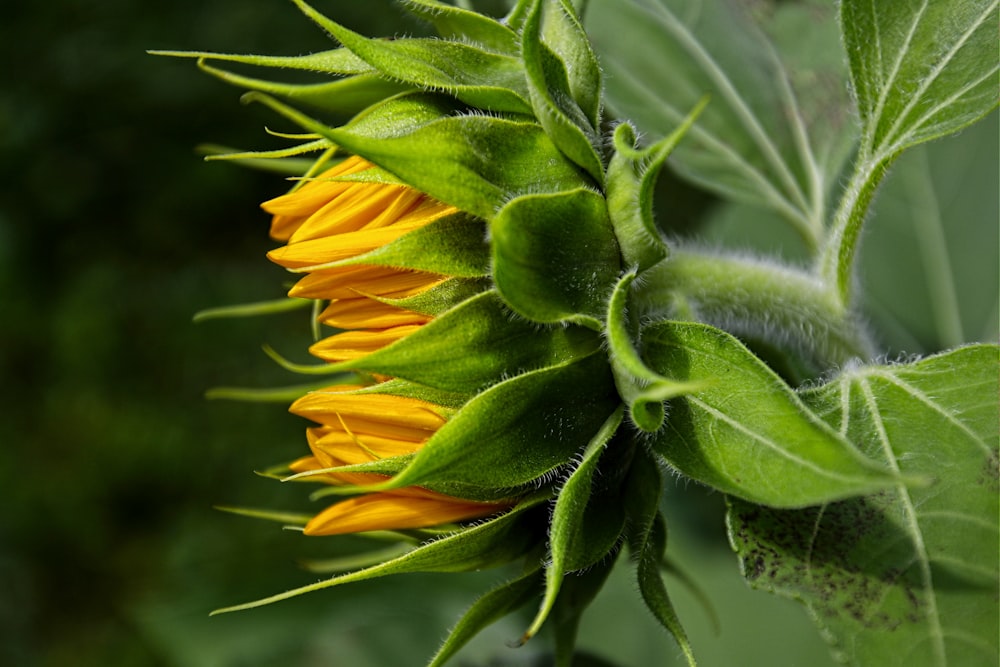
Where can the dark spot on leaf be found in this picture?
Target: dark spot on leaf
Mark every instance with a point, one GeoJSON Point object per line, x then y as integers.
{"type": "Point", "coordinates": [842, 558]}
{"type": "Point", "coordinates": [989, 476]}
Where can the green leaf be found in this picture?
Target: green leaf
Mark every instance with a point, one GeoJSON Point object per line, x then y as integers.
{"type": "Point", "coordinates": [555, 257]}
{"type": "Point", "coordinates": [476, 163]}
{"type": "Point", "coordinates": [630, 199]}
{"type": "Point", "coordinates": [461, 24]}
{"type": "Point", "coordinates": [489, 608]}
{"type": "Point", "coordinates": [346, 95]}
{"type": "Point", "coordinates": [398, 387]}
{"type": "Point", "coordinates": [282, 305]}
{"type": "Point", "coordinates": [754, 142]}
{"type": "Point", "coordinates": [647, 539]}
{"type": "Point", "coordinates": [746, 433]}
{"type": "Point", "coordinates": [454, 245]}
{"type": "Point", "coordinates": [479, 78]}
{"type": "Point", "coordinates": [551, 98]}
{"type": "Point", "coordinates": [520, 430]}
{"type": "Point", "coordinates": [584, 526]}
{"type": "Point", "coordinates": [562, 32]}
{"type": "Point", "coordinates": [920, 70]}
{"type": "Point", "coordinates": [475, 345]}
{"type": "Point", "coordinates": [487, 544]}
{"type": "Point", "coordinates": [907, 576]}
{"type": "Point", "coordinates": [269, 161]}
{"type": "Point", "coordinates": [443, 297]}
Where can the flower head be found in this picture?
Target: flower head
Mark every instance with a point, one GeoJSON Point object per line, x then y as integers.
{"type": "Point", "coordinates": [472, 246]}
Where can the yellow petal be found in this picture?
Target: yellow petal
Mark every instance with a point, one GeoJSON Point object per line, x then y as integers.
{"type": "Point", "coordinates": [388, 511]}
{"type": "Point", "coordinates": [329, 408]}
{"type": "Point", "coordinates": [356, 344]}
{"type": "Point", "coordinates": [361, 207]}
{"type": "Point", "coordinates": [347, 281]}
{"type": "Point", "coordinates": [365, 313]}
{"type": "Point", "coordinates": [294, 208]}
{"type": "Point", "coordinates": [335, 248]}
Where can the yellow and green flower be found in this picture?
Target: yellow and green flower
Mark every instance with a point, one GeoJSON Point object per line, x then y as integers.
{"type": "Point", "coordinates": [484, 250]}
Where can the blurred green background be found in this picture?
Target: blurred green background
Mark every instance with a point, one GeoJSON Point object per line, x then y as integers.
{"type": "Point", "coordinates": [113, 233]}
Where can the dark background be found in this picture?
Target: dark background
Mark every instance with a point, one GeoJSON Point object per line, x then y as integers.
{"type": "Point", "coordinates": [113, 233]}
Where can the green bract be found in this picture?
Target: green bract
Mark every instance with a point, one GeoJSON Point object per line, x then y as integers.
{"type": "Point", "coordinates": [562, 346]}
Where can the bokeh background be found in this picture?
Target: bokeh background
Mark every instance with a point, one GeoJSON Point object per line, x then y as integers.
{"type": "Point", "coordinates": [113, 233]}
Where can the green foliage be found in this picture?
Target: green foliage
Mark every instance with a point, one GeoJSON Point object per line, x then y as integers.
{"type": "Point", "coordinates": [920, 70]}
{"type": "Point", "coordinates": [474, 345]}
{"type": "Point", "coordinates": [558, 88]}
{"type": "Point", "coordinates": [907, 576]}
{"type": "Point", "coordinates": [582, 531]}
{"type": "Point", "coordinates": [555, 257]}
{"type": "Point", "coordinates": [568, 307]}
{"type": "Point", "coordinates": [493, 441]}
{"type": "Point", "coordinates": [747, 413]}
{"type": "Point", "coordinates": [453, 245]}
{"type": "Point", "coordinates": [490, 543]}
{"type": "Point", "coordinates": [752, 142]}
{"type": "Point", "coordinates": [890, 584]}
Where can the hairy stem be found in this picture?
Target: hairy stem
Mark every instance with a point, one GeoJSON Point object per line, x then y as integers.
{"type": "Point", "coordinates": [755, 298]}
{"type": "Point", "coordinates": [836, 260]}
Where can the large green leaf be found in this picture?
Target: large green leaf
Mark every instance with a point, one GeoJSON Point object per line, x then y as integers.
{"type": "Point", "coordinates": [920, 70]}
{"type": "Point", "coordinates": [745, 432]}
{"type": "Point", "coordinates": [907, 576]}
{"type": "Point", "coordinates": [756, 141]}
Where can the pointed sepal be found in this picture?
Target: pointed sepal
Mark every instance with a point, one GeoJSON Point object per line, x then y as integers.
{"type": "Point", "coordinates": [631, 177]}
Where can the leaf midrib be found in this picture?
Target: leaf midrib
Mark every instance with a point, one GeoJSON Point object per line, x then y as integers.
{"type": "Point", "coordinates": [932, 616]}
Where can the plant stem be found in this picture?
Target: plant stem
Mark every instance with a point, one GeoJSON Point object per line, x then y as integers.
{"type": "Point", "coordinates": [836, 261]}
{"type": "Point", "coordinates": [757, 298]}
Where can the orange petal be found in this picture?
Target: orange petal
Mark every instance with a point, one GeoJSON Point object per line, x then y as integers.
{"type": "Point", "coordinates": [363, 206]}
{"type": "Point", "coordinates": [293, 209]}
{"type": "Point", "coordinates": [365, 313]}
{"type": "Point", "coordinates": [355, 344]}
{"type": "Point", "coordinates": [347, 281]}
{"type": "Point", "coordinates": [389, 511]}
{"type": "Point", "coordinates": [330, 407]}
{"type": "Point", "coordinates": [336, 248]}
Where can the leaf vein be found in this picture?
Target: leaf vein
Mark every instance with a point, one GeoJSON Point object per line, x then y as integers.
{"type": "Point", "coordinates": [933, 616]}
